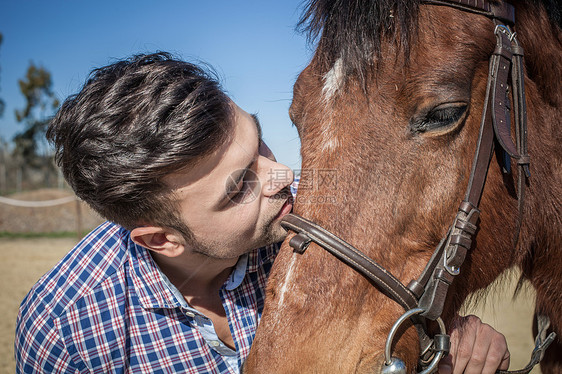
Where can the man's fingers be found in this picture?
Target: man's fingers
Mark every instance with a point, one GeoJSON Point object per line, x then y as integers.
{"type": "Point", "coordinates": [476, 348]}
{"type": "Point", "coordinates": [505, 360]}
{"type": "Point", "coordinates": [463, 340]}
{"type": "Point", "coordinates": [498, 355]}
{"type": "Point", "coordinates": [481, 358]}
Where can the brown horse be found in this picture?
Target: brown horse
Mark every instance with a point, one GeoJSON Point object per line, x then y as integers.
{"type": "Point", "coordinates": [388, 112]}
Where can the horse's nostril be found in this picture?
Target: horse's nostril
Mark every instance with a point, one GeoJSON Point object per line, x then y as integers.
{"type": "Point", "coordinates": [396, 366]}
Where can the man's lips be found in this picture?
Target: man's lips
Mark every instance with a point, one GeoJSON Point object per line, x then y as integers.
{"type": "Point", "coordinates": [286, 208]}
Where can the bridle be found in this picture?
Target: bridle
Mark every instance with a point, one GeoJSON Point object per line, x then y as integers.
{"type": "Point", "coordinates": [423, 298]}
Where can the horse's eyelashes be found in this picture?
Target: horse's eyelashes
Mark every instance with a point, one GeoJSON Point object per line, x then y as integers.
{"type": "Point", "coordinates": [442, 118]}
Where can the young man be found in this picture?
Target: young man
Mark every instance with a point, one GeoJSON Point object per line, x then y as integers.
{"type": "Point", "coordinates": [173, 282]}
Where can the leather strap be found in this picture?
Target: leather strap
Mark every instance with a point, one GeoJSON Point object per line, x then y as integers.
{"type": "Point", "coordinates": [450, 254]}
{"type": "Point", "coordinates": [309, 231]}
{"type": "Point", "coordinates": [523, 160]}
{"type": "Point", "coordinates": [542, 341]}
{"type": "Point", "coordinates": [495, 10]}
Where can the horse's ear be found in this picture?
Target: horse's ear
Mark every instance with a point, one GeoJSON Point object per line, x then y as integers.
{"type": "Point", "coordinates": [158, 239]}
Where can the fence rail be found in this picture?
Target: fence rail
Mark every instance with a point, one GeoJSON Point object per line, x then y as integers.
{"type": "Point", "coordinates": [36, 204]}
{"type": "Point", "coordinates": [38, 211]}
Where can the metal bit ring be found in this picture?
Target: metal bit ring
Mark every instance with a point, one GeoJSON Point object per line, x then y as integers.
{"type": "Point", "coordinates": [387, 349]}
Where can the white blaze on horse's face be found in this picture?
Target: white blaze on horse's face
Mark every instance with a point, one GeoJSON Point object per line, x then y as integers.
{"type": "Point", "coordinates": [333, 81]}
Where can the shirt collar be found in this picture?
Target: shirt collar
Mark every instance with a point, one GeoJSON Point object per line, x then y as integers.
{"type": "Point", "coordinates": [237, 276]}
{"type": "Point", "coordinates": [148, 282]}
{"type": "Point", "coordinates": [155, 289]}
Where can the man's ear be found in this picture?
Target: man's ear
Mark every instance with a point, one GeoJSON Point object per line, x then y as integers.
{"type": "Point", "coordinates": [160, 240]}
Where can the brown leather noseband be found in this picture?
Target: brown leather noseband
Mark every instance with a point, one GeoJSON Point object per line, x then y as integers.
{"type": "Point", "coordinates": [426, 294]}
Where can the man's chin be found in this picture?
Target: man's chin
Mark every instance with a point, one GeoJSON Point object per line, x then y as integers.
{"type": "Point", "coordinates": [275, 234]}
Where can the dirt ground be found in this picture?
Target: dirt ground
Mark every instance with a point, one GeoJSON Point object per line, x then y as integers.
{"type": "Point", "coordinates": [23, 261]}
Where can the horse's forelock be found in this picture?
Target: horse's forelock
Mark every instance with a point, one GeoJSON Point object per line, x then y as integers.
{"type": "Point", "coordinates": [353, 30]}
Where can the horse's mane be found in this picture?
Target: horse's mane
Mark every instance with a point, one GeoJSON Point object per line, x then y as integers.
{"type": "Point", "coordinates": [352, 30]}
{"type": "Point", "coordinates": [553, 9]}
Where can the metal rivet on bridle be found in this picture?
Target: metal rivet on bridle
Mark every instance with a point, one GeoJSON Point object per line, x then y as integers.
{"type": "Point", "coordinates": [396, 366]}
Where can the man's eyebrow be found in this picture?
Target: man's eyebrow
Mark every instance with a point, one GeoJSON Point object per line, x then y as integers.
{"type": "Point", "coordinates": [258, 125]}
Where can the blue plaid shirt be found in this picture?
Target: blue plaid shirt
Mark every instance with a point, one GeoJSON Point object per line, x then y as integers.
{"type": "Point", "coordinates": [106, 308]}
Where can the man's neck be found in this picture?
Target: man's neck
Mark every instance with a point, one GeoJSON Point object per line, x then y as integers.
{"type": "Point", "coordinates": [195, 275]}
{"type": "Point", "coordinates": [199, 279]}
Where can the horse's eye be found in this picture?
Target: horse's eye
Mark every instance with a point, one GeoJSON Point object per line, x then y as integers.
{"type": "Point", "coordinates": [442, 118]}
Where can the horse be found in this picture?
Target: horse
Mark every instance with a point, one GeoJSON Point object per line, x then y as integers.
{"type": "Point", "coordinates": [392, 112]}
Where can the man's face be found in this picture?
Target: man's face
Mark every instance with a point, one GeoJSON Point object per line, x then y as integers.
{"type": "Point", "coordinates": [233, 199]}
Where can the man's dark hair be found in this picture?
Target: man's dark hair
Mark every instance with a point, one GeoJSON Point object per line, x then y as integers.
{"type": "Point", "coordinates": [133, 123]}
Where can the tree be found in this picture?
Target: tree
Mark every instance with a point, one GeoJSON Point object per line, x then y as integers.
{"type": "Point", "coordinates": [2, 104]}
{"type": "Point", "coordinates": [36, 87]}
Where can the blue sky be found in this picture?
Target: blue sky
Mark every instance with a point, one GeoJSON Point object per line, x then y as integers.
{"type": "Point", "coordinates": [251, 43]}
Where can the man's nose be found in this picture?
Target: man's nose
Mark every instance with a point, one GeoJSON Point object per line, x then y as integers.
{"type": "Point", "coordinates": [276, 177]}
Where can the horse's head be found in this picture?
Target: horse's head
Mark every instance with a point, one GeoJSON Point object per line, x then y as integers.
{"type": "Point", "coordinates": [388, 112]}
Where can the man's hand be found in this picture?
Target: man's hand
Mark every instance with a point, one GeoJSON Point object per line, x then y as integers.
{"type": "Point", "coordinates": [475, 348]}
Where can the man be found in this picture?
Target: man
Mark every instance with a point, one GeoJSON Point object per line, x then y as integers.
{"type": "Point", "coordinates": [174, 282]}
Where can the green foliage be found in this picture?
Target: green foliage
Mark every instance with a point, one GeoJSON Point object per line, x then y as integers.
{"type": "Point", "coordinates": [37, 90]}
{"type": "Point", "coordinates": [40, 101]}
